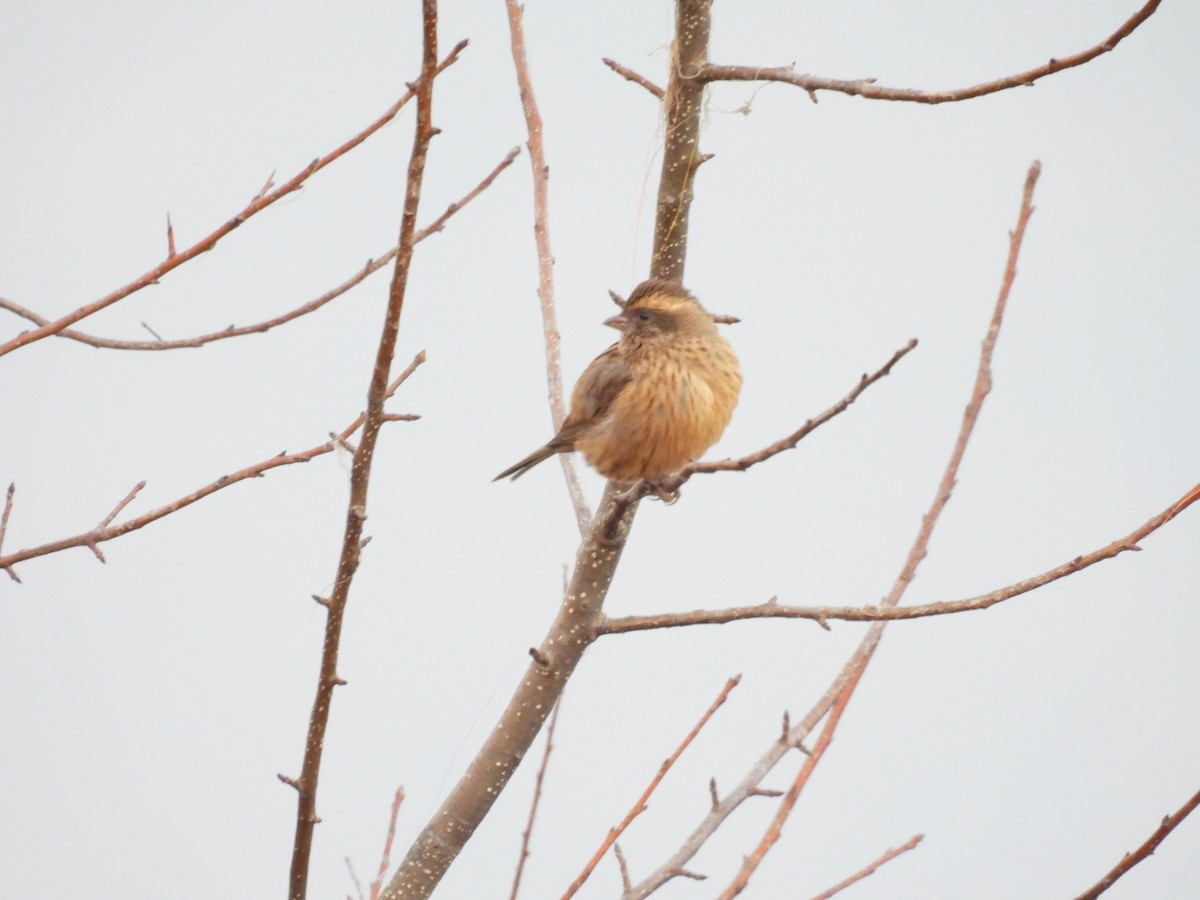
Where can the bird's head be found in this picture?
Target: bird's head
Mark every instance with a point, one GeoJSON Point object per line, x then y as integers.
{"type": "Point", "coordinates": [659, 310]}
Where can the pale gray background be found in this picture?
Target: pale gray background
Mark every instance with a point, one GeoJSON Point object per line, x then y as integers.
{"type": "Point", "coordinates": [148, 704]}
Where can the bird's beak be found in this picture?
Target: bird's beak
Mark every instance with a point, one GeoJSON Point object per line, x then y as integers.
{"type": "Point", "coordinates": [618, 322]}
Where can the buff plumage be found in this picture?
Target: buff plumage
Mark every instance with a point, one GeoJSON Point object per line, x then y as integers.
{"type": "Point", "coordinates": [655, 400]}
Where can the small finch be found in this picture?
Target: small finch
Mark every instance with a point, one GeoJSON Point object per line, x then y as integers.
{"type": "Point", "coordinates": [655, 400]}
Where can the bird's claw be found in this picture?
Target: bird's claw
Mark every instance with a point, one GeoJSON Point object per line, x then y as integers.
{"type": "Point", "coordinates": [663, 490]}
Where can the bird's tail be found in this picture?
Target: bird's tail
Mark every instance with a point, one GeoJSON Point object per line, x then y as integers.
{"type": "Point", "coordinates": [539, 455]}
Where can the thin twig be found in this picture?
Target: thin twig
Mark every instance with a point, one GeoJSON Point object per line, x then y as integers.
{"type": "Point", "coordinates": [257, 205]}
{"type": "Point", "coordinates": [1132, 859]}
{"type": "Point", "coordinates": [385, 859]}
{"type": "Point", "coordinates": [640, 806]}
{"type": "Point", "coordinates": [855, 665]}
{"type": "Point", "coordinates": [823, 614]}
{"type": "Point", "coordinates": [257, 470]}
{"type": "Point", "coordinates": [8, 503]}
{"type": "Point", "coordinates": [870, 869]}
{"type": "Point", "coordinates": [674, 482]}
{"type": "Point", "coordinates": [630, 75]}
{"type": "Point", "coordinates": [537, 797]}
{"type": "Point", "coordinates": [866, 87]}
{"type": "Point", "coordinates": [358, 889]}
{"type": "Point", "coordinates": [541, 236]}
{"type": "Point", "coordinates": [311, 306]}
{"type": "Point", "coordinates": [853, 672]}
{"type": "Point", "coordinates": [360, 472]}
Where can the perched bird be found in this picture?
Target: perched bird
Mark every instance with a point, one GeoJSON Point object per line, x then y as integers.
{"type": "Point", "coordinates": [655, 400]}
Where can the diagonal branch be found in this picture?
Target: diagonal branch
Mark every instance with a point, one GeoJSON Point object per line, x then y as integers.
{"type": "Point", "coordinates": [843, 685]}
{"type": "Point", "coordinates": [370, 268]}
{"type": "Point", "coordinates": [596, 561]}
{"type": "Point", "coordinates": [1132, 859]}
{"type": "Point", "coordinates": [640, 806]}
{"type": "Point", "coordinates": [887, 857]}
{"type": "Point", "coordinates": [360, 472]}
{"type": "Point", "coordinates": [537, 799]}
{"type": "Point", "coordinates": [107, 531]}
{"type": "Point", "coordinates": [630, 75]}
{"type": "Point", "coordinates": [866, 87]}
{"type": "Point", "coordinates": [674, 482]}
{"type": "Point", "coordinates": [823, 614]}
{"type": "Point", "coordinates": [261, 201]}
{"type": "Point", "coordinates": [541, 236]}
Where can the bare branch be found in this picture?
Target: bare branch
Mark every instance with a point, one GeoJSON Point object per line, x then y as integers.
{"type": "Point", "coordinates": [537, 797]}
{"type": "Point", "coordinates": [111, 532]}
{"type": "Point", "coordinates": [843, 685]}
{"type": "Point", "coordinates": [820, 614]}
{"type": "Point", "coordinates": [1132, 859]}
{"type": "Point", "coordinates": [385, 859]}
{"type": "Point", "coordinates": [257, 205]}
{"type": "Point", "coordinates": [640, 806]}
{"type": "Point", "coordinates": [853, 671]}
{"type": "Point", "coordinates": [370, 268]}
{"type": "Point", "coordinates": [681, 151]}
{"type": "Point", "coordinates": [630, 75]}
{"type": "Point", "coordinates": [360, 472]}
{"type": "Point", "coordinates": [541, 236]}
{"type": "Point", "coordinates": [866, 87]}
{"type": "Point", "coordinates": [870, 869]}
{"type": "Point", "coordinates": [573, 629]}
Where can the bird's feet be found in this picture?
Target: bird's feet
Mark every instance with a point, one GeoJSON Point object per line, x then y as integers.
{"type": "Point", "coordinates": [664, 487]}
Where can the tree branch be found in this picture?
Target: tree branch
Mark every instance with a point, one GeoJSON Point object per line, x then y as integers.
{"type": "Point", "coordinates": [537, 797]}
{"type": "Point", "coordinates": [360, 472]}
{"type": "Point", "coordinates": [640, 806]}
{"type": "Point", "coordinates": [1132, 859]}
{"type": "Point", "coordinates": [630, 75]}
{"type": "Point", "coordinates": [823, 614]}
{"type": "Point", "coordinates": [370, 268]}
{"type": "Point", "coordinates": [870, 869]}
{"type": "Point", "coordinates": [681, 151]}
{"type": "Point", "coordinates": [261, 201]}
{"type": "Point", "coordinates": [573, 629]}
{"type": "Point", "coordinates": [866, 87]}
{"type": "Point", "coordinates": [839, 692]}
{"type": "Point", "coordinates": [111, 532]}
{"type": "Point", "coordinates": [541, 236]}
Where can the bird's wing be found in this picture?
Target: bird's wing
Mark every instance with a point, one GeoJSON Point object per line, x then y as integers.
{"type": "Point", "coordinates": [597, 388]}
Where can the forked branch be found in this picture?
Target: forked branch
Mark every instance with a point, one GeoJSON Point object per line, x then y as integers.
{"type": "Point", "coordinates": [866, 87]}
{"type": "Point", "coordinates": [313, 305]}
{"type": "Point", "coordinates": [261, 201]}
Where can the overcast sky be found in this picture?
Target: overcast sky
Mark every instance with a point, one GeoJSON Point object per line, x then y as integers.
{"type": "Point", "coordinates": [149, 703]}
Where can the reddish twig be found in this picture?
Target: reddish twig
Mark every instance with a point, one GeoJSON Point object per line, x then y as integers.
{"type": "Point", "coordinates": [640, 806]}
{"type": "Point", "coordinates": [111, 532]}
{"type": "Point", "coordinates": [866, 87]}
{"type": "Point", "coordinates": [257, 205]}
{"type": "Point", "coordinates": [840, 689]}
{"type": "Point", "coordinates": [200, 340]}
{"type": "Point", "coordinates": [857, 665]}
{"type": "Point", "coordinates": [630, 75]}
{"type": "Point", "coordinates": [385, 860]}
{"type": "Point", "coordinates": [537, 797]}
{"type": "Point", "coordinates": [360, 472]}
{"type": "Point", "coordinates": [541, 236]}
{"type": "Point", "coordinates": [8, 502]}
{"type": "Point", "coordinates": [870, 869]}
{"type": "Point", "coordinates": [674, 482]}
{"type": "Point", "coordinates": [1132, 859]}
{"type": "Point", "coordinates": [170, 237]}
{"type": "Point", "coordinates": [822, 614]}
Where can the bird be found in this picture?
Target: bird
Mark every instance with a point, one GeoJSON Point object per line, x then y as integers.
{"type": "Point", "coordinates": [657, 398]}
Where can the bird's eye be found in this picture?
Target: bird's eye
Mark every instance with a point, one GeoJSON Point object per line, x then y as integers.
{"type": "Point", "coordinates": [644, 315]}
